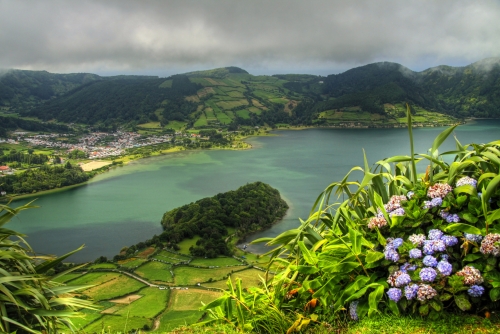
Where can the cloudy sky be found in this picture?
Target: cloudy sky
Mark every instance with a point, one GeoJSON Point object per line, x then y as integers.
{"type": "Point", "coordinates": [261, 36]}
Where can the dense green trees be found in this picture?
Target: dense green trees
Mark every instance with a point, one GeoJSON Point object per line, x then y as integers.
{"type": "Point", "coordinates": [43, 178]}
{"type": "Point", "coordinates": [247, 209]}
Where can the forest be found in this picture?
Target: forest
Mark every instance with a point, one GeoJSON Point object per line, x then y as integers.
{"type": "Point", "coordinates": [43, 178]}
{"type": "Point", "coordinates": [250, 208]}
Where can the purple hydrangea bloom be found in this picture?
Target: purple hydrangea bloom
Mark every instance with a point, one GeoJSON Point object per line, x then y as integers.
{"type": "Point", "coordinates": [430, 261]}
{"type": "Point", "coordinates": [402, 280]}
{"type": "Point", "coordinates": [411, 291]}
{"type": "Point", "coordinates": [449, 240]}
{"type": "Point", "coordinates": [444, 268]}
{"type": "Point", "coordinates": [473, 237]}
{"type": "Point", "coordinates": [475, 291]}
{"type": "Point", "coordinates": [394, 294]}
{"type": "Point", "coordinates": [467, 181]}
{"type": "Point", "coordinates": [415, 253]}
{"type": "Point", "coordinates": [397, 212]}
{"type": "Point", "coordinates": [452, 218]}
{"type": "Point", "coordinates": [427, 274]}
{"type": "Point", "coordinates": [431, 246]}
{"type": "Point", "coordinates": [445, 256]}
{"type": "Point", "coordinates": [391, 254]}
{"type": "Point", "coordinates": [435, 234]}
{"type": "Point", "coordinates": [396, 243]}
{"type": "Point", "coordinates": [405, 267]}
{"type": "Point", "coordinates": [353, 310]}
{"type": "Point", "coordinates": [444, 214]}
{"type": "Point", "coordinates": [435, 202]}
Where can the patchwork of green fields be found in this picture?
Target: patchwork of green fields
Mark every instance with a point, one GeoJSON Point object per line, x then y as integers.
{"type": "Point", "coordinates": [155, 271]}
{"type": "Point", "coordinates": [152, 303]}
{"type": "Point", "coordinates": [218, 261]}
{"type": "Point", "coordinates": [192, 276]}
{"type": "Point", "coordinates": [116, 287]}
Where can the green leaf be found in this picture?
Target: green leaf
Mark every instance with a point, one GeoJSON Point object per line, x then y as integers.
{"type": "Point", "coordinates": [381, 238]}
{"type": "Point", "coordinates": [465, 189]}
{"type": "Point", "coordinates": [441, 138]}
{"type": "Point", "coordinates": [445, 296]}
{"type": "Point", "coordinates": [423, 309]}
{"type": "Point", "coordinates": [355, 238]}
{"type": "Point", "coordinates": [494, 215]}
{"type": "Point", "coordinates": [374, 298]}
{"type": "Point", "coordinates": [472, 257]}
{"type": "Point", "coordinates": [462, 228]}
{"type": "Point", "coordinates": [373, 256]}
{"type": "Point", "coordinates": [495, 294]}
{"type": "Point", "coordinates": [307, 270]}
{"type": "Point", "coordinates": [393, 307]}
{"type": "Point", "coordinates": [309, 257]}
{"type": "Point", "coordinates": [462, 302]}
{"type": "Point", "coordinates": [436, 305]}
{"type": "Point", "coordinates": [345, 267]}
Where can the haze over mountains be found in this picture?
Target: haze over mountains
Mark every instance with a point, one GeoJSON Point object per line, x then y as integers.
{"type": "Point", "coordinates": [231, 95]}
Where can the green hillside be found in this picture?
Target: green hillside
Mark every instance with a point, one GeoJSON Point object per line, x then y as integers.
{"type": "Point", "coordinates": [230, 97]}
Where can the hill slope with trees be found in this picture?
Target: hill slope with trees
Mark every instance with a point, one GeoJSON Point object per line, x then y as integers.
{"type": "Point", "coordinates": [250, 208]}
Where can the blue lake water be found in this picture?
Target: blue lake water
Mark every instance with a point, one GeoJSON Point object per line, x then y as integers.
{"type": "Point", "coordinates": [125, 205]}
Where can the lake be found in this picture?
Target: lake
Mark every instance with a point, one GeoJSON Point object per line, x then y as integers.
{"type": "Point", "coordinates": [124, 206]}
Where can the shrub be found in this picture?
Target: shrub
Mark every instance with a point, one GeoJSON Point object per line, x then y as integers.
{"type": "Point", "coordinates": [397, 242]}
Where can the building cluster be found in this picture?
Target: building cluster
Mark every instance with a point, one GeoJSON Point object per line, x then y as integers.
{"type": "Point", "coordinates": [97, 144]}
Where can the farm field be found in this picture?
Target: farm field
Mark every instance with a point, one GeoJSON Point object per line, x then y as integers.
{"type": "Point", "coordinates": [103, 266]}
{"type": "Point", "coordinates": [249, 278]}
{"type": "Point", "coordinates": [171, 257]}
{"type": "Point", "coordinates": [67, 277]}
{"type": "Point", "coordinates": [218, 261]}
{"type": "Point", "coordinates": [116, 287]}
{"type": "Point", "coordinates": [186, 243]}
{"type": "Point", "coordinates": [191, 276]}
{"type": "Point", "coordinates": [172, 319]}
{"type": "Point", "coordinates": [131, 263]}
{"type": "Point", "coordinates": [94, 278]}
{"type": "Point", "coordinates": [115, 324]}
{"type": "Point", "coordinates": [155, 271]}
{"type": "Point", "coordinates": [152, 303]}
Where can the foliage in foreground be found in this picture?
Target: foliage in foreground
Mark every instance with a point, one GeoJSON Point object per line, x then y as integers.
{"type": "Point", "coordinates": [29, 300]}
{"type": "Point", "coordinates": [395, 243]}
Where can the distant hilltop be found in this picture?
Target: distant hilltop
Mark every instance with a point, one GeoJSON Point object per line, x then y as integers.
{"type": "Point", "coordinates": [229, 97]}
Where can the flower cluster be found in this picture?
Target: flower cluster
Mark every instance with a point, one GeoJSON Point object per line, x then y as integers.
{"type": "Point", "coordinates": [439, 190]}
{"type": "Point", "coordinates": [353, 310]}
{"type": "Point", "coordinates": [491, 244]}
{"type": "Point", "coordinates": [394, 203]}
{"type": "Point", "coordinates": [449, 217]}
{"type": "Point", "coordinates": [390, 251]}
{"type": "Point", "coordinates": [471, 275]}
{"type": "Point", "coordinates": [377, 222]}
{"type": "Point", "coordinates": [466, 181]}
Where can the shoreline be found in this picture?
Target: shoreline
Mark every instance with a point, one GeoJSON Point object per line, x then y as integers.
{"type": "Point", "coordinates": [125, 160]}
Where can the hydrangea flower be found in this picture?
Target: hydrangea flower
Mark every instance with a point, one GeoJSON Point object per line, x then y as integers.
{"type": "Point", "coordinates": [430, 261]}
{"type": "Point", "coordinates": [449, 240]}
{"type": "Point", "coordinates": [397, 212]}
{"type": "Point", "coordinates": [475, 291]}
{"type": "Point", "coordinates": [428, 274]}
{"type": "Point", "coordinates": [444, 268]}
{"type": "Point", "coordinates": [417, 239]}
{"type": "Point", "coordinates": [394, 202]}
{"type": "Point", "coordinates": [394, 294]}
{"type": "Point", "coordinates": [396, 243]}
{"type": "Point", "coordinates": [467, 181]}
{"type": "Point", "coordinates": [435, 202]}
{"type": "Point", "coordinates": [407, 267]}
{"type": "Point", "coordinates": [452, 218]}
{"type": "Point", "coordinates": [353, 310]}
{"type": "Point", "coordinates": [425, 291]}
{"type": "Point", "coordinates": [473, 237]}
{"type": "Point", "coordinates": [410, 194]}
{"type": "Point", "coordinates": [391, 254]}
{"type": "Point", "coordinates": [415, 253]}
{"type": "Point", "coordinates": [471, 275]}
{"type": "Point", "coordinates": [377, 222]}
{"type": "Point", "coordinates": [402, 280]}
{"type": "Point", "coordinates": [439, 190]}
{"type": "Point", "coordinates": [488, 244]}
{"type": "Point", "coordinates": [411, 291]}
{"type": "Point", "coordinates": [435, 234]}
{"type": "Point", "coordinates": [431, 246]}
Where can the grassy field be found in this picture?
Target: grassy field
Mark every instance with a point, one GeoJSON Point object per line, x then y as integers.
{"type": "Point", "coordinates": [152, 302]}
{"type": "Point", "coordinates": [218, 261]}
{"type": "Point", "coordinates": [116, 287]}
{"type": "Point", "coordinates": [243, 114]}
{"type": "Point", "coordinates": [186, 243]}
{"type": "Point", "coordinates": [150, 125]}
{"type": "Point", "coordinates": [166, 84]}
{"type": "Point", "coordinates": [131, 263]}
{"type": "Point", "coordinates": [116, 324]}
{"type": "Point", "coordinates": [173, 319]}
{"type": "Point", "coordinates": [201, 121]}
{"type": "Point", "coordinates": [155, 271]}
{"type": "Point", "coordinates": [176, 125]}
{"type": "Point", "coordinates": [191, 276]}
{"type": "Point", "coordinates": [103, 266]}
{"type": "Point", "coordinates": [81, 322]}
{"type": "Point", "coordinates": [224, 118]}
{"type": "Point", "coordinates": [229, 104]}
{"type": "Point", "coordinates": [171, 257]}
{"type": "Point", "coordinates": [184, 300]}
{"type": "Point", "coordinates": [94, 278]}
{"type": "Point", "coordinates": [249, 278]}
{"type": "Point", "coordinates": [67, 277]}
